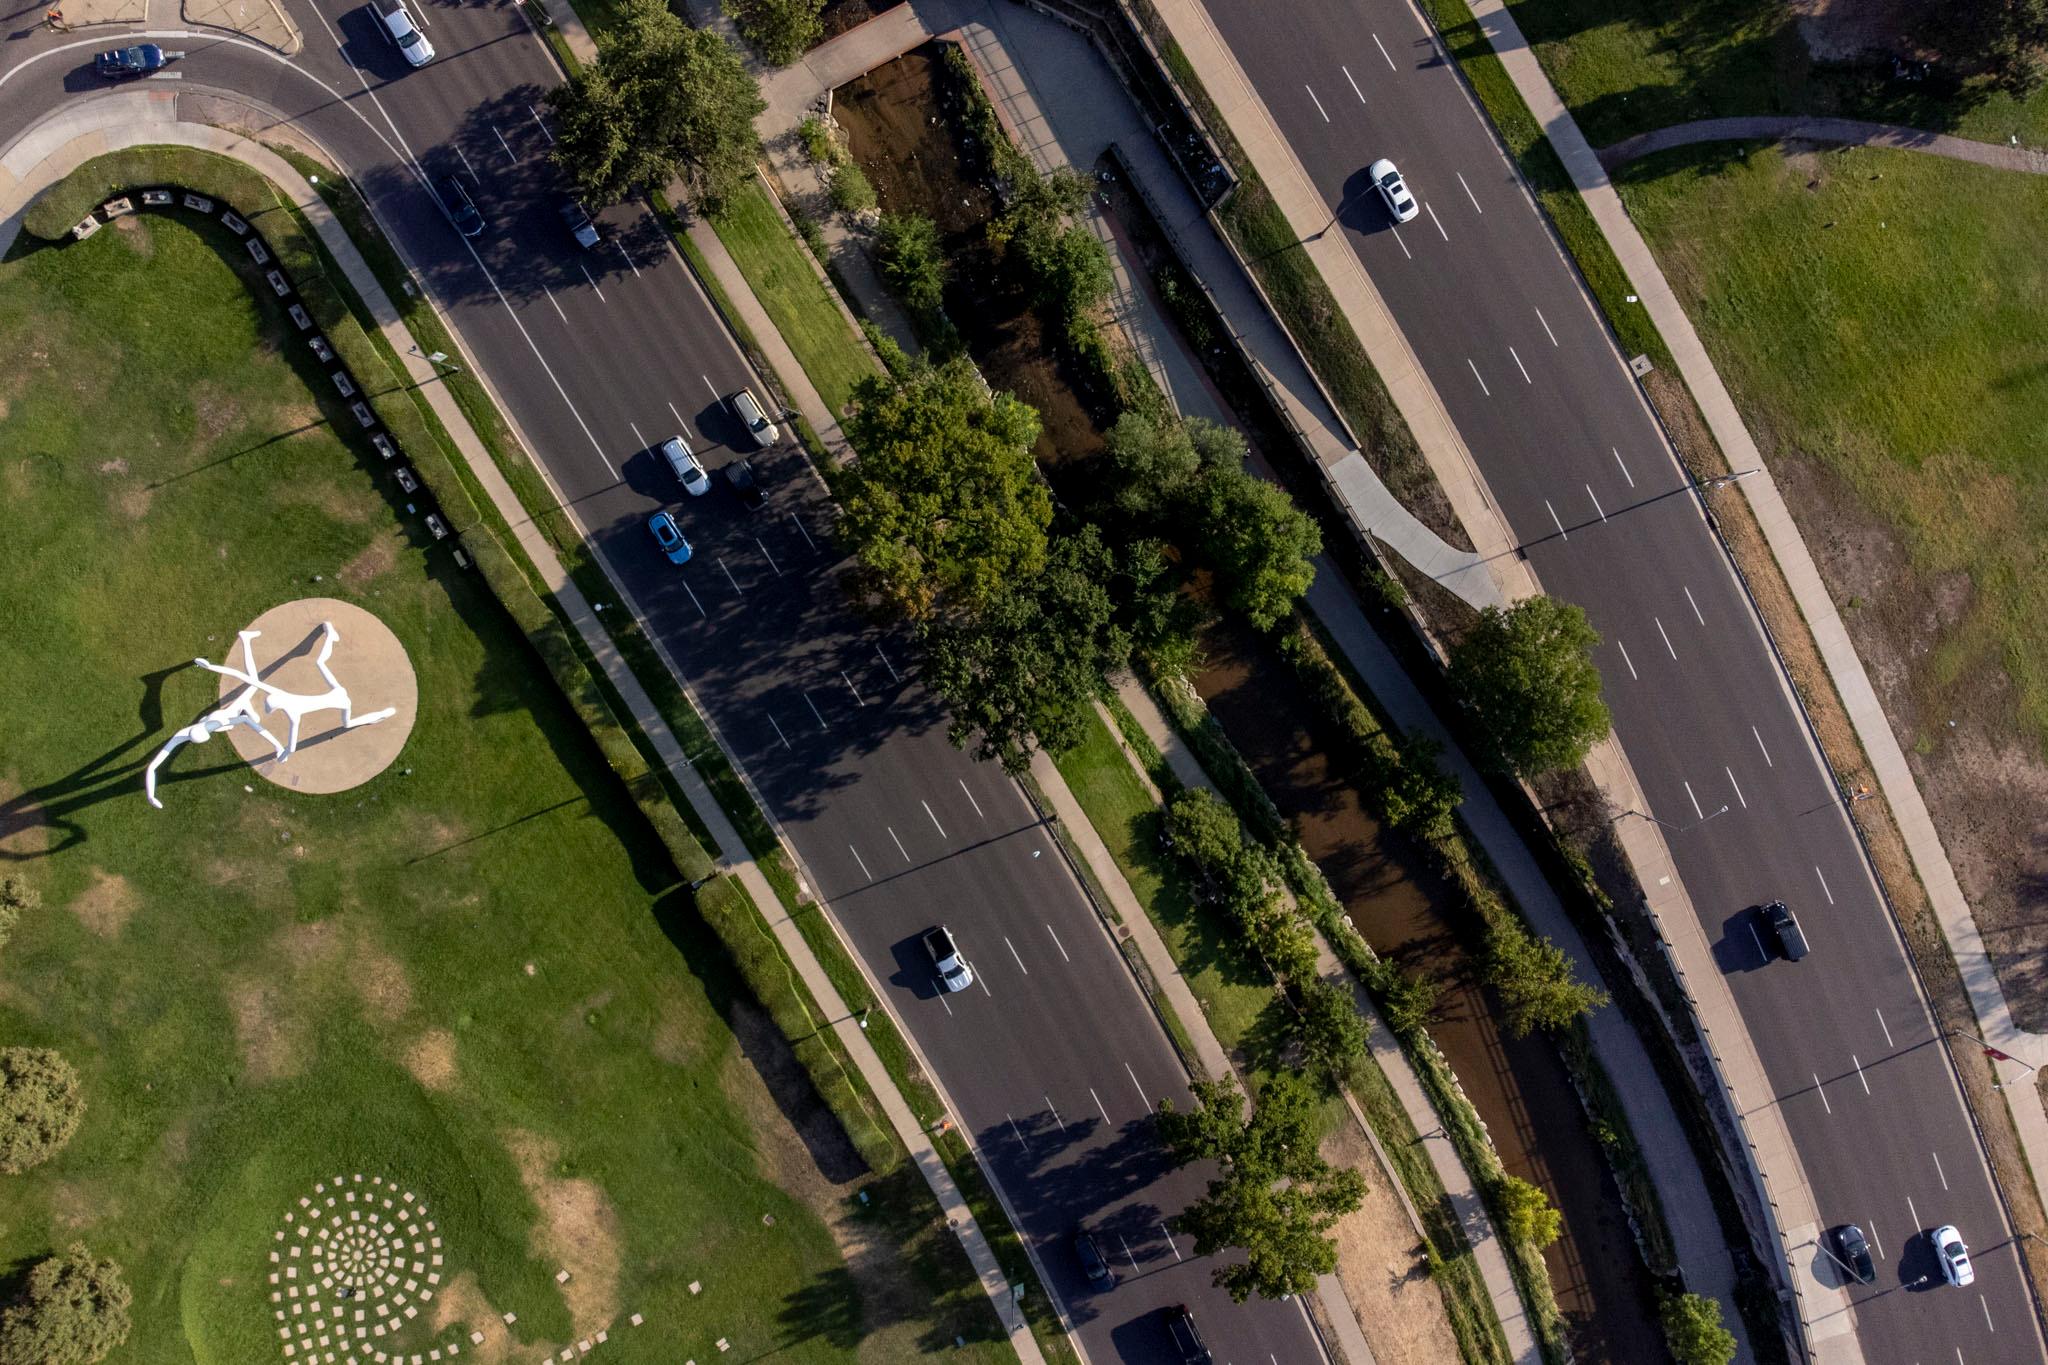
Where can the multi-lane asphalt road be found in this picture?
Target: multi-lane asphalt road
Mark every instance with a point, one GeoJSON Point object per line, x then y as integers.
{"type": "Point", "coordinates": [1606, 517]}
{"type": "Point", "coordinates": [1053, 1061]}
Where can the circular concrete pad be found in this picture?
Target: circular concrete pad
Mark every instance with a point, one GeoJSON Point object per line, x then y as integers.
{"type": "Point", "coordinates": [368, 660]}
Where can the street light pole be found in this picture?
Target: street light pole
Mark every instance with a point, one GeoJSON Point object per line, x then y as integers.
{"type": "Point", "coordinates": [1645, 815]}
{"type": "Point", "coordinates": [1994, 1054]}
{"type": "Point", "coordinates": [1723, 480]}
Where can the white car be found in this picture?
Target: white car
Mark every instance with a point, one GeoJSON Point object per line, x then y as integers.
{"type": "Point", "coordinates": [954, 973]}
{"type": "Point", "coordinates": [1955, 1257]}
{"type": "Point", "coordinates": [404, 34]}
{"type": "Point", "coordinates": [683, 461]}
{"type": "Point", "coordinates": [1393, 189]}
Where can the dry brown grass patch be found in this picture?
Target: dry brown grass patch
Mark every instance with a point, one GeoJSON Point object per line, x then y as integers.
{"type": "Point", "coordinates": [431, 1059]}
{"type": "Point", "coordinates": [107, 905]}
{"type": "Point", "coordinates": [376, 559]}
{"type": "Point", "coordinates": [461, 1302]}
{"type": "Point", "coordinates": [578, 1230]}
{"type": "Point", "coordinates": [271, 1040]}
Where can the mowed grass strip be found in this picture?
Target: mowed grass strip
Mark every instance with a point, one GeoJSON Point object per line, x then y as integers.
{"type": "Point", "coordinates": [1870, 310]}
{"type": "Point", "coordinates": [478, 975]}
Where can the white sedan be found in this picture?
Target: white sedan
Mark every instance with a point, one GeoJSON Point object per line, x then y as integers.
{"type": "Point", "coordinates": [1955, 1257]}
{"type": "Point", "coordinates": [1393, 189]}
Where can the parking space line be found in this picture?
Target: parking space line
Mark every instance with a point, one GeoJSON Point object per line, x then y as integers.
{"type": "Point", "coordinates": [1917, 1224]}
{"type": "Point", "coordinates": [1758, 940]}
{"type": "Point", "coordinates": [682, 427]}
{"type": "Point", "coordinates": [982, 982]}
{"type": "Point", "coordinates": [1431, 210]}
{"type": "Point", "coordinates": [1987, 1320]}
{"type": "Point", "coordinates": [945, 1003]}
{"type": "Point", "coordinates": [1127, 1254]}
{"type": "Point", "coordinates": [1475, 203]}
{"type": "Point", "coordinates": [935, 819]}
{"type": "Point", "coordinates": [465, 164]}
{"type": "Point", "coordinates": [1596, 502]}
{"type": "Point", "coordinates": [1667, 638]}
{"type": "Point", "coordinates": [765, 554]}
{"type": "Point", "coordinates": [1737, 785]}
{"type": "Point", "coordinates": [1698, 814]}
{"type": "Point", "coordinates": [1877, 1241]}
{"type": "Point", "coordinates": [1478, 376]}
{"type": "Point", "coordinates": [591, 282]}
{"type": "Point", "coordinates": [1824, 883]}
{"type": "Point", "coordinates": [1630, 662]}
{"type": "Point", "coordinates": [694, 602]}
{"type": "Point", "coordinates": [1520, 366]}
{"type": "Point", "coordinates": [1937, 1169]}
{"type": "Point", "coordinates": [1057, 944]}
{"type": "Point", "coordinates": [510, 155]}
{"type": "Point", "coordinates": [1013, 1130]}
{"type": "Point", "coordinates": [863, 863]}
{"type": "Point", "coordinates": [1383, 52]}
{"type": "Point", "coordinates": [1354, 84]}
{"type": "Point", "coordinates": [558, 307]}
{"type": "Point", "coordinates": [1554, 520]}
{"type": "Point", "coordinates": [1823, 1094]}
{"type": "Point", "coordinates": [709, 385]}
{"type": "Point", "coordinates": [816, 712]}
{"type": "Point", "coordinates": [970, 797]}
{"type": "Point", "coordinates": [893, 677]}
{"type": "Point", "coordinates": [1144, 1100]}
{"type": "Point", "coordinates": [1855, 1062]}
{"type": "Point", "coordinates": [1694, 605]}
{"type": "Point", "coordinates": [1015, 956]}
{"type": "Point", "coordinates": [1553, 337]}
{"type": "Point", "coordinates": [1319, 104]}
{"type": "Point", "coordinates": [778, 733]}
{"type": "Point", "coordinates": [1050, 1108]}
{"type": "Point", "coordinates": [1098, 1107]}
{"type": "Point", "coordinates": [1403, 241]}
{"type": "Point", "coordinates": [802, 532]}
{"type": "Point", "coordinates": [898, 842]}
{"type": "Point", "coordinates": [1624, 466]}
{"type": "Point", "coordinates": [638, 436]}
{"type": "Point", "coordinates": [1760, 745]}
{"type": "Point", "coordinates": [858, 699]}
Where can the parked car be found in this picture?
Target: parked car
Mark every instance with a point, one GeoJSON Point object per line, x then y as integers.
{"type": "Point", "coordinates": [669, 537]}
{"type": "Point", "coordinates": [954, 973]}
{"type": "Point", "coordinates": [1092, 1265]}
{"type": "Point", "coordinates": [580, 225]}
{"type": "Point", "coordinates": [1955, 1257]}
{"type": "Point", "coordinates": [1180, 1326]}
{"type": "Point", "coordinates": [683, 461]}
{"type": "Point", "coordinates": [747, 408]}
{"type": "Point", "coordinates": [1784, 927]}
{"type": "Point", "coordinates": [745, 485]}
{"type": "Point", "coordinates": [1393, 189]}
{"type": "Point", "coordinates": [460, 208]}
{"type": "Point", "coordinates": [397, 23]}
{"type": "Point", "coordinates": [124, 62]}
{"type": "Point", "coordinates": [1852, 1248]}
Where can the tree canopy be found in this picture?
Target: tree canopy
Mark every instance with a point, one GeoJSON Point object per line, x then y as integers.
{"type": "Point", "coordinates": [781, 29]}
{"type": "Point", "coordinates": [41, 1104]}
{"type": "Point", "coordinates": [1528, 675]}
{"type": "Point", "coordinates": [1535, 981]}
{"type": "Point", "coordinates": [663, 102]}
{"type": "Point", "coordinates": [71, 1310]}
{"type": "Point", "coordinates": [1530, 1218]}
{"type": "Point", "coordinates": [1693, 1330]}
{"type": "Point", "coordinates": [1275, 1197]}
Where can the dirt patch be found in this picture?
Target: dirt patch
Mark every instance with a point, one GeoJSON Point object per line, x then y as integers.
{"type": "Point", "coordinates": [673, 1040]}
{"type": "Point", "coordinates": [134, 234]}
{"type": "Point", "coordinates": [176, 1143]}
{"type": "Point", "coordinates": [106, 905]}
{"type": "Point", "coordinates": [75, 1207]}
{"type": "Point", "coordinates": [374, 560]}
{"type": "Point", "coordinates": [271, 1042]}
{"type": "Point", "coordinates": [24, 831]}
{"type": "Point", "coordinates": [1381, 1262]}
{"type": "Point", "coordinates": [431, 1059]}
{"type": "Point", "coordinates": [380, 979]}
{"type": "Point", "coordinates": [133, 503]}
{"type": "Point", "coordinates": [217, 415]}
{"type": "Point", "coordinates": [578, 1230]}
{"type": "Point", "coordinates": [461, 1303]}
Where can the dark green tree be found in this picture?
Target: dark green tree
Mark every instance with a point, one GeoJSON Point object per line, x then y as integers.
{"type": "Point", "coordinates": [913, 261]}
{"type": "Point", "coordinates": [1067, 264]}
{"type": "Point", "coordinates": [782, 30]}
{"type": "Point", "coordinates": [663, 102]}
{"type": "Point", "coordinates": [41, 1104]}
{"type": "Point", "coordinates": [1275, 1198]}
{"type": "Point", "coordinates": [1204, 831]}
{"type": "Point", "coordinates": [1152, 465]}
{"type": "Point", "coordinates": [1408, 998]}
{"type": "Point", "coordinates": [944, 508]}
{"type": "Point", "coordinates": [1332, 1029]}
{"type": "Point", "coordinates": [1693, 1330]}
{"type": "Point", "coordinates": [2004, 41]}
{"type": "Point", "coordinates": [1535, 981]}
{"type": "Point", "coordinates": [1262, 545]}
{"type": "Point", "coordinates": [71, 1310]}
{"type": "Point", "coordinates": [1526, 1209]}
{"type": "Point", "coordinates": [1528, 675]}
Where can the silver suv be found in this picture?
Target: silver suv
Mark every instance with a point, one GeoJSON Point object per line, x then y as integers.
{"type": "Point", "coordinates": [747, 408]}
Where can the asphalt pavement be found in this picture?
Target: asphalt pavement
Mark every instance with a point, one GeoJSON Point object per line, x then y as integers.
{"type": "Point", "coordinates": [1053, 1060]}
{"type": "Point", "coordinates": [1608, 520]}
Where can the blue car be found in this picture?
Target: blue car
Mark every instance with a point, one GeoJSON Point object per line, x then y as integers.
{"type": "Point", "coordinates": [122, 62]}
{"type": "Point", "coordinates": [669, 537]}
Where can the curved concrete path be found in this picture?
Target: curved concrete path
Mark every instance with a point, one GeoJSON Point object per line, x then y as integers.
{"type": "Point", "coordinates": [1847, 132]}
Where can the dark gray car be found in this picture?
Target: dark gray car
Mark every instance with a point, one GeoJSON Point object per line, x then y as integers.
{"type": "Point", "coordinates": [1784, 927]}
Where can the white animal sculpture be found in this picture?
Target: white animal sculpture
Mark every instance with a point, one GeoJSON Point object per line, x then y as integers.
{"type": "Point", "coordinates": [299, 705]}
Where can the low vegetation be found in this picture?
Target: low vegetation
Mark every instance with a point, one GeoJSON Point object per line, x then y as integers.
{"type": "Point", "coordinates": [71, 1309]}
{"type": "Point", "coordinates": [780, 30]}
{"type": "Point", "coordinates": [40, 1106]}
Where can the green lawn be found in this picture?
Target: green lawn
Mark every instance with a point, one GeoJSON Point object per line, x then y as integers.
{"type": "Point", "coordinates": [1890, 328]}
{"type": "Point", "coordinates": [476, 976]}
{"type": "Point", "coordinates": [1627, 66]}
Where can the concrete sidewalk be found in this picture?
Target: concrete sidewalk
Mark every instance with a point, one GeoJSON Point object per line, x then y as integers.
{"type": "Point", "coordinates": [1838, 652]}
{"type": "Point", "coordinates": [1846, 132]}
{"type": "Point", "coordinates": [82, 131]}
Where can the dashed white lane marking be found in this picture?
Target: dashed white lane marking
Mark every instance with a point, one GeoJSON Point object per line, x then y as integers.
{"type": "Point", "coordinates": [773, 565]}
{"type": "Point", "coordinates": [1596, 502]}
{"type": "Point", "coordinates": [898, 842]}
{"type": "Point", "coordinates": [1169, 1241]}
{"type": "Point", "coordinates": [1555, 522]}
{"type": "Point", "coordinates": [935, 819]}
{"type": "Point", "coordinates": [862, 861]}
{"type": "Point", "coordinates": [1987, 1321]}
{"type": "Point", "coordinates": [1383, 52]}
{"type": "Point", "coordinates": [1144, 1100]}
{"type": "Point", "coordinates": [1877, 1241]}
{"type": "Point", "coordinates": [1697, 812]}
{"type": "Point", "coordinates": [729, 578]}
{"type": "Point", "coordinates": [1430, 209]}
{"type": "Point", "coordinates": [1855, 1062]}
{"type": "Point", "coordinates": [1475, 201]}
{"type": "Point", "coordinates": [1057, 944]}
{"type": "Point", "coordinates": [1737, 785]}
{"type": "Point", "coordinates": [970, 796]}
{"type": "Point", "coordinates": [466, 166]}
{"type": "Point", "coordinates": [558, 307]}
{"type": "Point", "coordinates": [1630, 662]}
{"type": "Point", "coordinates": [1667, 638]}
{"type": "Point", "coordinates": [1013, 1130]}
{"type": "Point", "coordinates": [695, 603]}
{"type": "Point", "coordinates": [1694, 605]}
{"type": "Point", "coordinates": [1822, 1093]}
{"type": "Point", "coordinates": [1098, 1106]}
{"type": "Point", "coordinates": [778, 733]}
{"type": "Point", "coordinates": [1520, 366]}
{"type": "Point", "coordinates": [1319, 104]}
{"type": "Point", "coordinates": [1050, 1108]}
{"type": "Point", "coordinates": [1478, 376]}
{"type": "Point", "coordinates": [541, 124]}
{"type": "Point", "coordinates": [858, 699]}
{"type": "Point", "coordinates": [885, 661]}
{"type": "Point", "coordinates": [1624, 466]}
{"type": "Point", "coordinates": [510, 155]}
{"type": "Point", "coordinates": [593, 283]}
{"type": "Point", "coordinates": [1824, 883]}
{"type": "Point", "coordinates": [1015, 955]}
{"type": "Point", "coordinates": [816, 712]}
{"type": "Point", "coordinates": [1937, 1169]}
{"type": "Point", "coordinates": [1883, 1025]}
{"type": "Point", "coordinates": [802, 532]}
{"type": "Point", "coordinates": [1127, 1254]}
{"type": "Point", "coordinates": [1917, 1224]}
{"type": "Point", "coordinates": [1354, 84]}
{"type": "Point", "coordinates": [637, 435]}
{"type": "Point", "coordinates": [1760, 745]}
{"type": "Point", "coordinates": [627, 254]}
{"type": "Point", "coordinates": [1403, 241]}
{"type": "Point", "coordinates": [1553, 341]}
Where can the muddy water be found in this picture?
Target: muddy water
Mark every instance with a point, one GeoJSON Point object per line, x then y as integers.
{"type": "Point", "coordinates": [1520, 1088]}
{"type": "Point", "coordinates": [897, 128]}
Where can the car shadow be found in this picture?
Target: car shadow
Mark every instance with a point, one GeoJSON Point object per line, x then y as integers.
{"type": "Point", "coordinates": [1742, 946]}
{"type": "Point", "coordinates": [1363, 209]}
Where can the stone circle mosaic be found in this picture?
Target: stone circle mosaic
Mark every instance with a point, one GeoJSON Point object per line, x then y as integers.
{"type": "Point", "coordinates": [350, 1269]}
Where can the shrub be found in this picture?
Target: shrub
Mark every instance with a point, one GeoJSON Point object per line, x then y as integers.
{"type": "Point", "coordinates": [16, 898]}
{"type": "Point", "coordinates": [72, 1310]}
{"type": "Point", "coordinates": [1692, 1328]}
{"type": "Point", "coordinates": [913, 262]}
{"type": "Point", "coordinates": [1530, 1218]}
{"type": "Point", "coordinates": [781, 29]}
{"type": "Point", "coordinates": [1535, 981]}
{"type": "Point", "coordinates": [40, 1106]}
{"type": "Point", "coordinates": [819, 144]}
{"type": "Point", "coordinates": [851, 192]}
{"type": "Point", "coordinates": [1332, 1030]}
